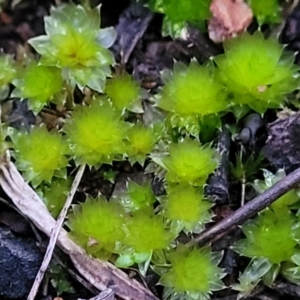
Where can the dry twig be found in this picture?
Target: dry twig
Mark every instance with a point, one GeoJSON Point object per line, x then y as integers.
{"type": "Point", "coordinates": [100, 274]}
{"type": "Point", "coordinates": [251, 208]}
{"type": "Point", "coordinates": [54, 235]}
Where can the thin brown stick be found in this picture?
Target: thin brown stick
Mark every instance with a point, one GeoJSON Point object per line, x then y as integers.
{"type": "Point", "coordinates": [54, 235]}
{"type": "Point", "coordinates": [101, 274]}
{"type": "Point", "coordinates": [251, 208]}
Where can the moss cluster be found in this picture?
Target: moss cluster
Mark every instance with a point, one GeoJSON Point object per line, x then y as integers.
{"type": "Point", "coordinates": [107, 126]}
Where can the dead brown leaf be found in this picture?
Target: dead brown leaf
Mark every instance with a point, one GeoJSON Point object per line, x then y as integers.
{"type": "Point", "coordinates": [230, 18]}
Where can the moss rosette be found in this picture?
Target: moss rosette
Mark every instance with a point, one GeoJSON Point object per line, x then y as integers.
{"type": "Point", "coordinates": [40, 155]}
{"type": "Point", "coordinates": [188, 162]}
{"type": "Point", "coordinates": [192, 91]}
{"type": "Point", "coordinates": [271, 235]}
{"type": "Point", "coordinates": [97, 225]}
{"type": "Point", "coordinates": [75, 44]}
{"type": "Point", "coordinates": [257, 72]}
{"type": "Point", "coordinates": [185, 204]}
{"type": "Point", "coordinates": [193, 273]}
{"type": "Point", "coordinates": [97, 134]}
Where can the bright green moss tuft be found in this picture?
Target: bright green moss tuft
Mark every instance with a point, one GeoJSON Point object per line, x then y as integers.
{"type": "Point", "coordinates": [123, 91]}
{"type": "Point", "coordinates": [192, 91]}
{"type": "Point", "coordinates": [185, 205]}
{"type": "Point", "coordinates": [179, 13]}
{"type": "Point", "coordinates": [193, 275]}
{"type": "Point", "coordinates": [138, 197]}
{"type": "Point", "coordinates": [188, 162]}
{"type": "Point", "coordinates": [267, 11]}
{"type": "Point", "coordinates": [97, 134]}
{"type": "Point", "coordinates": [40, 155]}
{"type": "Point", "coordinates": [270, 235]}
{"type": "Point", "coordinates": [39, 84]}
{"type": "Point", "coordinates": [75, 43]}
{"type": "Point", "coordinates": [97, 225]}
{"type": "Point", "coordinates": [257, 71]}
{"type": "Point", "coordinates": [55, 195]}
{"type": "Point", "coordinates": [147, 233]}
{"type": "Point", "coordinates": [141, 141]}
{"type": "Point", "coordinates": [8, 70]}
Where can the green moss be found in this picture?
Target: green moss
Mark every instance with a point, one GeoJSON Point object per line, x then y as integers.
{"type": "Point", "coordinates": [123, 91]}
{"type": "Point", "coordinates": [188, 162]}
{"type": "Point", "coordinates": [74, 43]}
{"type": "Point", "coordinates": [257, 71]}
{"type": "Point", "coordinates": [178, 13]}
{"type": "Point", "coordinates": [270, 235]}
{"type": "Point", "coordinates": [55, 195]}
{"type": "Point", "coordinates": [97, 134]}
{"type": "Point", "coordinates": [267, 11]}
{"type": "Point", "coordinates": [185, 205]}
{"type": "Point", "coordinates": [147, 233]}
{"type": "Point", "coordinates": [39, 84]}
{"type": "Point", "coordinates": [40, 155]}
{"type": "Point", "coordinates": [141, 142]}
{"type": "Point", "coordinates": [192, 91]}
{"type": "Point", "coordinates": [193, 274]}
{"type": "Point", "coordinates": [97, 225]}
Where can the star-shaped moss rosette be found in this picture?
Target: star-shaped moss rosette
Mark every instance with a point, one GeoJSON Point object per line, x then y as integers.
{"type": "Point", "coordinates": [40, 84]}
{"type": "Point", "coordinates": [55, 194]}
{"type": "Point", "coordinates": [97, 134]}
{"type": "Point", "coordinates": [138, 197]}
{"type": "Point", "coordinates": [186, 208]}
{"type": "Point", "coordinates": [124, 92]}
{"type": "Point", "coordinates": [257, 71]}
{"type": "Point", "coordinates": [141, 141]}
{"type": "Point", "coordinates": [192, 274]}
{"type": "Point", "coordinates": [98, 226]}
{"type": "Point", "coordinates": [145, 234]}
{"type": "Point", "coordinates": [289, 200]}
{"type": "Point", "coordinates": [271, 241]}
{"type": "Point", "coordinates": [74, 43]}
{"type": "Point", "coordinates": [179, 13]}
{"type": "Point", "coordinates": [40, 155]}
{"type": "Point", "coordinates": [191, 92]}
{"type": "Point", "coordinates": [8, 73]}
{"type": "Point", "coordinates": [188, 162]}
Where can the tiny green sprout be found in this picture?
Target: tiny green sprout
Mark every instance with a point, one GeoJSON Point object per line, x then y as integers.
{"type": "Point", "coordinates": [96, 134]}
{"type": "Point", "coordinates": [271, 242]}
{"type": "Point", "coordinates": [257, 71]}
{"type": "Point", "coordinates": [270, 235]}
{"type": "Point", "coordinates": [193, 274]}
{"type": "Point", "coordinates": [147, 233]}
{"type": "Point", "coordinates": [124, 91]}
{"type": "Point", "coordinates": [59, 279]}
{"type": "Point", "coordinates": [141, 141]}
{"type": "Point", "coordinates": [267, 11]}
{"type": "Point", "coordinates": [39, 84]}
{"type": "Point", "coordinates": [188, 162]}
{"type": "Point", "coordinates": [8, 73]}
{"type": "Point", "coordinates": [75, 43]}
{"type": "Point", "coordinates": [191, 92]}
{"type": "Point", "coordinates": [286, 201]}
{"type": "Point", "coordinates": [97, 225]}
{"type": "Point", "coordinates": [138, 197]}
{"type": "Point", "coordinates": [40, 155]}
{"type": "Point", "coordinates": [55, 195]}
{"type": "Point", "coordinates": [186, 208]}
{"type": "Point", "coordinates": [251, 276]}
{"type": "Point", "coordinates": [179, 13]}
{"type": "Point", "coordinates": [245, 168]}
